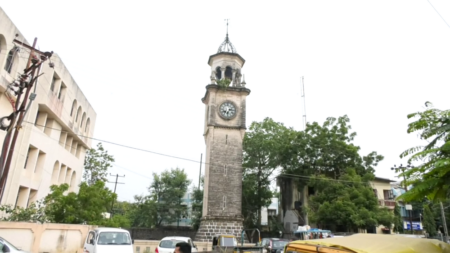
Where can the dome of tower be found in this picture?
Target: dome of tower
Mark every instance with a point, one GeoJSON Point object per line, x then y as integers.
{"type": "Point", "coordinates": [227, 46]}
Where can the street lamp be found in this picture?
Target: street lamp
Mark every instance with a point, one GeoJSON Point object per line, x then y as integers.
{"type": "Point", "coordinates": [402, 169]}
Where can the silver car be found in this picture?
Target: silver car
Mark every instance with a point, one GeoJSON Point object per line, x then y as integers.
{"type": "Point", "coordinates": [6, 246]}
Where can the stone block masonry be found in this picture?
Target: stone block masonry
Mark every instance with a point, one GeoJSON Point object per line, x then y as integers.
{"type": "Point", "coordinates": [210, 227]}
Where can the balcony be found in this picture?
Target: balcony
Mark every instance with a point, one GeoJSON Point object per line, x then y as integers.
{"type": "Point", "coordinates": [387, 203]}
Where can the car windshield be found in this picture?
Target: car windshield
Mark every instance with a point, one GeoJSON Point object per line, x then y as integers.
{"type": "Point", "coordinates": [116, 238]}
{"type": "Point", "coordinates": [228, 242]}
{"type": "Point", "coordinates": [279, 244]}
{"type": "Point", "coordinates": [169, 244]}
{"type": "Point", "coordinates": [3, 241]}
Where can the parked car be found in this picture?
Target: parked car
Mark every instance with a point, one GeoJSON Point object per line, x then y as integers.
{"type": "Point", "coordinates": [274, 245]}
{"type": "Point", "coordinates": [108, 240]}
{"type": "Point", "coordinates": [6, 246]}
{"type": "Point", "coordinates": [167, 244]}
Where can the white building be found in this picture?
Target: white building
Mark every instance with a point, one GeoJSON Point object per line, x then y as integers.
{"type": "Point", "coordinates": [51, 146]}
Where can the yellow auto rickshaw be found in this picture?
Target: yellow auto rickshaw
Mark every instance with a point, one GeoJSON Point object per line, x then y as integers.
{"type": "Point", "coordinates": [368, 243]}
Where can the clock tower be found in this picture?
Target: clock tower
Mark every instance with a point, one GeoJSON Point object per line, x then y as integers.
{"type": "Point", "coordinates": [224, 131]}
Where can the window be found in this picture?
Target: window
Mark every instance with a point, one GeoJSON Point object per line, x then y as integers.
{"type": "Point", "coordinates": [169, 244]}
{"type": "Point", "coordinates": [375, 192]}
{"type": "Point", "coordinates": [10, 59]}
{"type": "Point", "coordinates": [90, 238]}
{"type": "Point", "coordinates": [114, 238]}
{"type": "Point", "coordinates": [388, 194]}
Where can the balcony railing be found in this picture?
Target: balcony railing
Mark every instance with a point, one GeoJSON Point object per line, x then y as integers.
{"type": "Point", "coordinates": [386, 203]}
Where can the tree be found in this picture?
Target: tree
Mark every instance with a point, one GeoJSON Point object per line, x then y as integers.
{"type": "Point", "coordinates": [347, 203]}
{"type": "Point", "coordinates": [143, 212]}
{"type": "Point", "coordinates": [197, 205]}
{"type": "Point", "coordinates": [96, 165]}
{"type": "Point", "coordinates": [326, 150]}
{"type": "Point", "coordinates": [398, 220]}
{"type": "Point", "coordinates": [428, 221]}
{"type": "Point", "coordinates": [431, 176]}
{"type": "Point", "coordinates": [88, 206]}
{"type": "Point", "coordinates": [262, 147]}
{"type": "Point", "coordinates": [168, 190]}
{"type": "Point", "coordinates": [33, 213]}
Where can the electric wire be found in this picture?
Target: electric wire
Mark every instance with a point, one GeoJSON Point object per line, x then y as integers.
{"type": "Point", "coordinates": [438, 13]}
{"type": "Point", "coordinates": [284, 175]}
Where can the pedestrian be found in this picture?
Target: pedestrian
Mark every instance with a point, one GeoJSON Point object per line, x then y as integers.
{"type": "Point", "coordinates": [182, 247]}
{"type": "Point", "coordinates": [320, 235]}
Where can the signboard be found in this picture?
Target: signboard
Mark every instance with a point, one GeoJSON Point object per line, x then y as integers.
{"type": "Point", "coordinates": [408, 207]}
{"type": "Point", "coordinates": [416, 225]}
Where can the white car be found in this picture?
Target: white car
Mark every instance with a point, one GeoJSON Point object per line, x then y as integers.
{"type": "Point", "coordinates": [167, 244]}
{"type": "Point", "coordinates": [6, 246]}
{"type": "Point", "coordinates": [108, 240]}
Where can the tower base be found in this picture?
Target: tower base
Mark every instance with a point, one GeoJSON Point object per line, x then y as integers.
{"type": "Point", "coordinates": [212, 226]}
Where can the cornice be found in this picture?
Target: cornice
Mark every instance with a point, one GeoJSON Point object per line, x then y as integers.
{"type": "Point", "coordinates": [231, 88]}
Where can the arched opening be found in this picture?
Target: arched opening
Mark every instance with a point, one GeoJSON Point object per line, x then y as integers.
{"type": "Point", "coordinates": [88, 124]}
{"type": "Point", "coordinates": [2, 48]}
{"type": "Point", "coordinates": [78, 114]}
{"type": "Point", "coordinates": [73, 181]}
{"type": "Point", "coordinates": [229, 73]}
{"type": "Point", "coordinates": [12, 59]}
{"type": "Point", "coordinates": [74, 106]}
{"type": "Point", "coordinates": [55, 173]}
{"type": "Point", "coordinates": [68, 176]}
{"type": "Point", "coordinates": [62, 174]}
{"type": "Point", "coordinates": [218, 73]}
{"type": "Point", "coordinates": [82, 120]}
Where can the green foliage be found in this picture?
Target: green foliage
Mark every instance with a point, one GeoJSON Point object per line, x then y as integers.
{"type": "Point", "coordinates": [197, 205]}
{"type": "Point", "coordinates": [33, 213]}
{"type": "Point", "coordinates": [430, 178]}
{"type": "Point", "coordinates": [87, 206]}
{"type": "Point", "coordinates": [96, 165]}
{"type": "Point", "coordinates": [224, 83]}
{"type": "Point", "coordinates": [398, 220]}
{"type": "Point", "coordinates": [168, 190]}
{"type": "Point", "coordinates": [428, 221]}
{"type": "Point", "coordinates": [262, 147]}
{"type": "Point", "coordinates": [143, 212]}
{"type": "Point", "coordinates": [349, 203]}
{"type": "Point", "coordinates": [326, 150]}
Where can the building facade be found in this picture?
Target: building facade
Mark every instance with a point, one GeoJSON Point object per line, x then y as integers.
{"type": "Point", "coordinates": [54, 137]}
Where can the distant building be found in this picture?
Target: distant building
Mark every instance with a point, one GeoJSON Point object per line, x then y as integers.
{"type": "Point", "coordinates": [52, 143]}
{"type": "Point", "coordinates": [416, 215]}
{"type": "Point", "coordinates": [270, 213]}
{"type": "Point", "coordinates": [292, 201]}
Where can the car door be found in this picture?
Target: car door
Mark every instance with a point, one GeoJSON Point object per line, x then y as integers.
{"type": "Point", "coordinates": [90, 242]}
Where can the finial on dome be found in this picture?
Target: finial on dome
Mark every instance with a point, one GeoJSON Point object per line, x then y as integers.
{"type": "Point", "coordinates": [226, 45]}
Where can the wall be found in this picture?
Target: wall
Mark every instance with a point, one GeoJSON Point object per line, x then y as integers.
{"type": "Point", "coordinates": [62, 238]}
{"type": "Point", "coordinates": [48, 237]}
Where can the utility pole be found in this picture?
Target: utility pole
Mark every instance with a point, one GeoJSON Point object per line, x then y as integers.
{"type": "Point", "coordinates": [200, 173]}
{"type": "Point", "coordinates": [444, 223]}
{"type": "Point", "coordinates": [115, 186]}
{"type": "Point", "coordinates": [26, 81]}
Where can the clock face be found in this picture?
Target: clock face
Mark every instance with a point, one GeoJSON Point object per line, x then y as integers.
{"type": "Point", "coordinates": [227, 110]}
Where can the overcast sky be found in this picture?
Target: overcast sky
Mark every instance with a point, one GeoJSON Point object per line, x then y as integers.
{"type": "Point", "coordinates": [143, 67]}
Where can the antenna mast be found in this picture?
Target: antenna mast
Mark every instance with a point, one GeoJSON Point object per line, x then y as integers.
{"type": "Point", "coordinates": [304, 103]}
